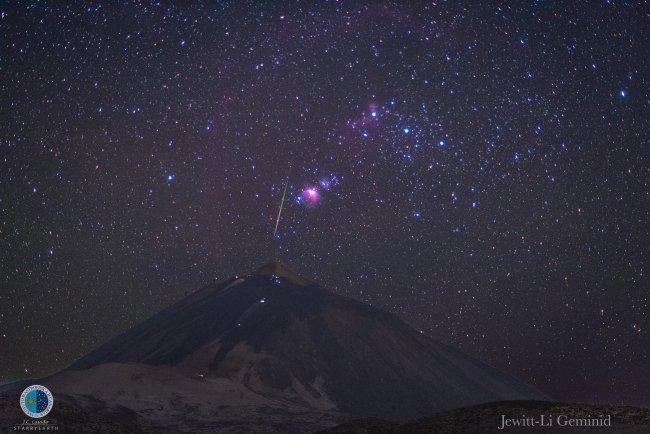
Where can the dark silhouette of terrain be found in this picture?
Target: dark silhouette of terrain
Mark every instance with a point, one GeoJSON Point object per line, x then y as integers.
{"type": "Point", "coordinates": [269, 350]}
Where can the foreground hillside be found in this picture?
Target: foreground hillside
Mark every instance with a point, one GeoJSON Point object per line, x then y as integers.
{"type": "Point", "coordinates": [93, 417]}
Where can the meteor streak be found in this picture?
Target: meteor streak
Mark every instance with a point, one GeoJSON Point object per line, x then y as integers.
{"type": "Point", "coordinates": [277, 221]}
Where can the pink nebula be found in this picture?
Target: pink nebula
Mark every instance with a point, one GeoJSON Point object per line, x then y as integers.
{"type": "Point", "coordinates": [310, 195]}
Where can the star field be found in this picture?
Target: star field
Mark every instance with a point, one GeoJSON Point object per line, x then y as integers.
{"type": "Point", "coordinates": [478, 169]}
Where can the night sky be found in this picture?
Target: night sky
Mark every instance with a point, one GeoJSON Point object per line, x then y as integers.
{"type": "Point", "coordinates": [480, 170]}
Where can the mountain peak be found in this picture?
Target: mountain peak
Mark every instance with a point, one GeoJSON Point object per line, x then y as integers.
{"type": "Point", "coordinates": [283, 338]}
{"type": "Point", "coordinates": [278, 269]}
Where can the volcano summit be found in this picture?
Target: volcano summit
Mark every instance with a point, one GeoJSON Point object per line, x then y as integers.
{"type": "Point", "coordinates": [270, 350]}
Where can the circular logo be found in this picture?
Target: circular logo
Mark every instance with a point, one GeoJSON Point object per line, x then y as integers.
{"type": "Point", "coordinates": [36, 401]}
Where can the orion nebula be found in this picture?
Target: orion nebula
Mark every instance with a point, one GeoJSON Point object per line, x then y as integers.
{"type": "Point", "coordinates": [310, 196]}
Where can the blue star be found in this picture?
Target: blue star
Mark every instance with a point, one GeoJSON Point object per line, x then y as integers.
{"type": "Point", "coordinates": [169, 177]}
{"type": "Point", "coordinates": [417, 215]}
{"type": "Point", "coordinates": [407, 130]}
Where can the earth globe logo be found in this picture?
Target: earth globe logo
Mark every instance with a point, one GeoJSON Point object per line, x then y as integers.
{"type": "Point", "coordinates": [36, 401]}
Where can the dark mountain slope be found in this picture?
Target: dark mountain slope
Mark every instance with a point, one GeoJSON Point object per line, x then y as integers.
{"type": "Point", "coordinates": [283, 337]}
